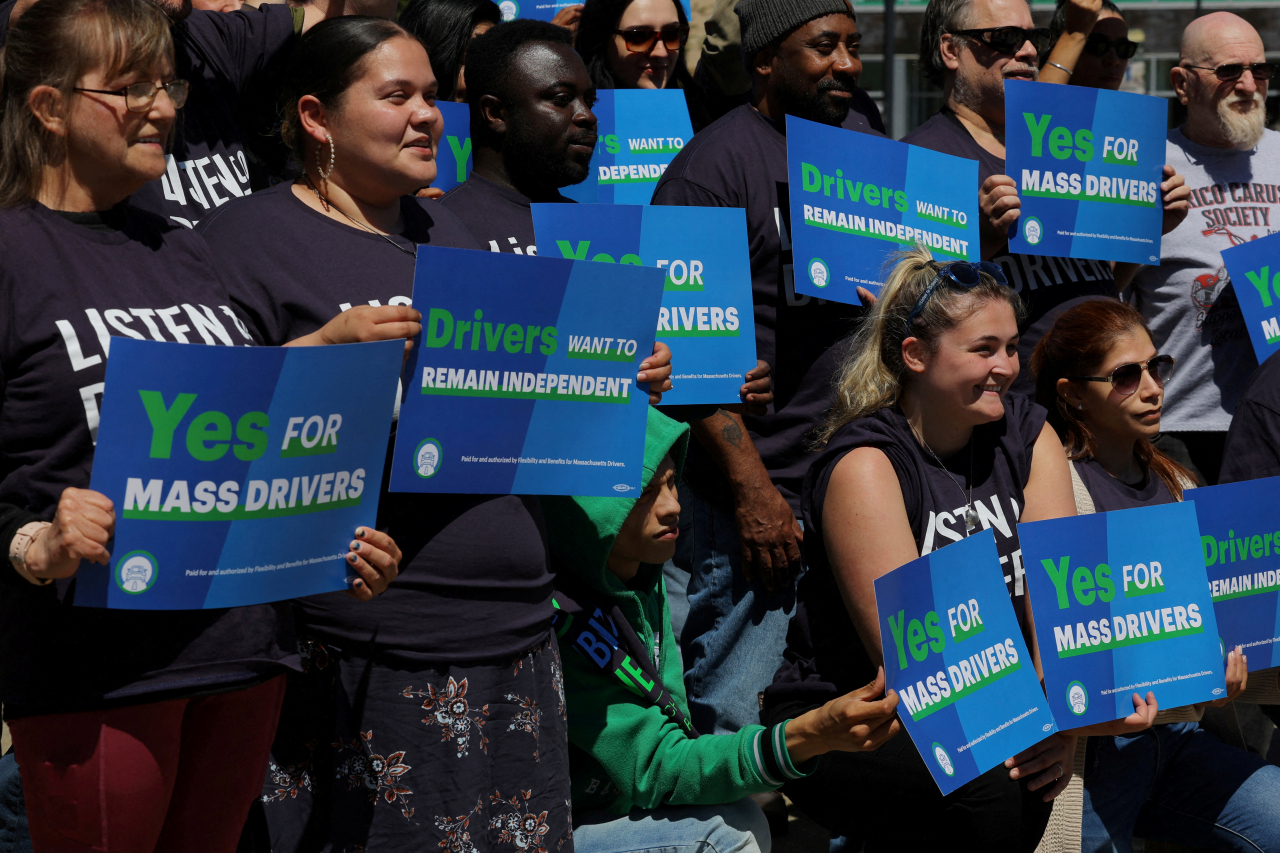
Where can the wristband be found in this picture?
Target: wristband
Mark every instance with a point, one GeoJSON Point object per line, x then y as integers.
{"type": "Point", "coordinates": [1060, 68]}
{"type": "Point", "coordinates": [19, 546]}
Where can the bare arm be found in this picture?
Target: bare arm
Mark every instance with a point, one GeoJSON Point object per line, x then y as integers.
{"type": "Point", "coordinates": [320, 10]}
{"type": "Point", "coordinates": [1080, 18]}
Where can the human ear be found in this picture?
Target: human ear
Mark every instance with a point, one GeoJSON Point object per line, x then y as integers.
{"type": "Point", "coordinates": [494, 112]}
{"type": "Point", "coordinates": [914, 355]}
{"type": "Point", "coordinates": [313, 117]}
{"type": "Point", "coordinates": [763, 62]}
{"type": "Point", "coordinates": [50, 109]}
{"type": "Point", "coordinates": [1070, 393]}
{"type": "Point", "coordinates": [1178, 77]}
{"type": "Point", "coordinates": [949, 50]}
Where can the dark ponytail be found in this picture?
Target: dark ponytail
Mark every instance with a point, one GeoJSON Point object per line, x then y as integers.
{"type": "Point", "coordinates": [444, 27]}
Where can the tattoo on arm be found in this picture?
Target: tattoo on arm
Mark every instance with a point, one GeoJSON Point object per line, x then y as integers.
{"type": "Point", "coordinates": [730, 432]}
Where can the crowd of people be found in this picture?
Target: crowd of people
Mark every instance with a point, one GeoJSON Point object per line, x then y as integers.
{"type": "Point", "coordinates": [245, 176]}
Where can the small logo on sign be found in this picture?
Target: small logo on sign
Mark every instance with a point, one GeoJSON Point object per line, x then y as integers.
{"type": "Point", "coordinates": [509, 9]}
{"type": "Point", "coordinates": [1046, 727]}
{"type": "Point", "coordinates": [1077, 698]}
{"type": "Point", "coordinates": [1033, 231]}
{"type": "Point", "coordinates": [426, 459]}
{"type": "Point", "coordinates": [1218, 690]}
{"type": "Point", "coordinates": [818, 273]}
{"type": "Point", "coordinates": [136, 572]}
{"type": "Point", "coordinates": [944, 760]}
{"type": "Point", "coordinates": [622, 487]}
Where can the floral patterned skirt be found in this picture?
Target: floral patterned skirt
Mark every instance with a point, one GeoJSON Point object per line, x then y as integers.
{"type": "Point", "coordinates": [467, 759]}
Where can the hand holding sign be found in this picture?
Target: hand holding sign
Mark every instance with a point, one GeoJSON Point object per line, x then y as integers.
{"type": "Point", "coordinates": [856, 722]}
{"type": "Point", "coordinates": [82, 526]}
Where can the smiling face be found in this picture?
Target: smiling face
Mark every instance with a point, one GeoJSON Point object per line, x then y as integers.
{"type": "Point", "coordinates": [1114, 419]}
{"type": "Point", "coordinates": [1107, 71]}
{"type": "Point", "coordinates": [649, 534]}
{"type": "Point", "coordinates": [386, 128]}
{"type": "Point", "coordinates": [644, 69]}
{"type": "Point", "coordinates": [978, 71]}
{"type": "Point", "coordinates": [550, 129]}
{"type": "Point", "coordinates": [966, 375]}
{"type": "Point", "coordinates": [813, 72]}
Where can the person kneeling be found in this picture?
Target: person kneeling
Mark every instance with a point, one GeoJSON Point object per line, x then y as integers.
{"type": "Point", "coordinates": [642, 778]}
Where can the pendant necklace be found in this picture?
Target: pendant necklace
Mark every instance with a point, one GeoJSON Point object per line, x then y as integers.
{"type": "Point", "coordinates": [970, 514]}
{"type": "Point", "coordinates": [328, 204]}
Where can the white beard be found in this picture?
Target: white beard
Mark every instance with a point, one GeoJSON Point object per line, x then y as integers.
{"type": "Point", "coordinates": [1243, 129]}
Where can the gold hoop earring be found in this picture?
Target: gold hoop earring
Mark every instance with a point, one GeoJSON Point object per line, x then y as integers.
{"type": "Point", "coordinates": [324, 173]}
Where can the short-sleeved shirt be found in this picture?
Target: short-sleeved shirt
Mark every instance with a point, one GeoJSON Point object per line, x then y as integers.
{"type": "Point", "coordinates": [1253, 442]}
{"type": "Point", "coordinates": [474, 583]}
{"type": "Point", "coordinates": [66, 290]}
{"type": "Point", "coordinates": [824, 652]}
{"type": "Point", "coordinates": [499, 218]}
{"type": "Point", "coordinates": [1189, 300]}
{"type": "Point", "coordinates": [1110, 494]}
{"type": "Point", "coordinates": [1048, 286]}
{"type": "Point", "coordinates": [741, 161]}
{"type": "Point", "coordinates": [222, 54]}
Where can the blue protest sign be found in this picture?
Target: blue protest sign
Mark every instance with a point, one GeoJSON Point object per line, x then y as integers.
{"type": "Point", "coordinates": [856, 198]}
{"type": "Point", "coordinates": [1121, 605]}
{"type": "Point", "coordinates": [453, 157]}
{"type": "Point", "coordinates": [523, 380]}
{"type": "Point", "coordinates": [1254, 268]}
{"type": "Point", "coordinates": [545, 10]}
{"type": "Point", "coordinates": [641, 131]}
{"type": "Point", "coordinates": [1240, 540]}
{"type": "Point", "coordinates": [1088, 164]}
{"type": "Point", "coordinates": [706, 316]}
{"type": "Point", "coordinates": [239, 475]}
{"type": "Point", "coordinates": [969, 694]}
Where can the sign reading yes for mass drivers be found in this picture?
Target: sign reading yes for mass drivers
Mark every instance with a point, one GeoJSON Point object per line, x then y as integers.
{"type": "Point", "coordinates": [1121, 604]}
{"type": "Point", "coordinates": [969, 694]}
{"type": "Point", "coordinates": [523, 380]}
{"type": "Point", "coordinates": [706, 315]}
{"type": "Point", "coordinates": [1255, 269]}
{"type": "Point", "coordinates": [238, 474]}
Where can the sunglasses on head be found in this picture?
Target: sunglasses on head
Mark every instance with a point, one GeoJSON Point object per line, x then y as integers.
{"type": "Point", "coordinates": [642, 39]}
{"type": "Point", "coordinates": [1098, 45]}
{"type": "Point", "coordinates": [960, 273]}
{"type": "Point", "coordinates": [1259, 70]}
{"type": "Point", "coordinates": [1010, 39]}
{"type": "Point", "coordinates": [1127, 377]}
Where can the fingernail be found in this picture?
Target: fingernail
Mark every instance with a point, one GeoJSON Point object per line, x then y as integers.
{"type": "Point", "coordinates": [352, 558]}
{"type": "Point", "coordinates": [355, 546]}
{"type": "Point", "coordinates": [360, 532]}
{"type": "Point", "coordinates": [359, 584]}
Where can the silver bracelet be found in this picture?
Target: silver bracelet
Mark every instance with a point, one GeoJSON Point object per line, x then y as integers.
{"type": "Point", "coordinates": [1060, 68]}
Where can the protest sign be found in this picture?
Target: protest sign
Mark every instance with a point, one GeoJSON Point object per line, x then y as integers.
{"type": "Point", "coordinates": [1254, 268]}
{"type": "Point", "coordinates": [1122, 606]}
{"type": "Point", "coordinates": [523, 380]}
{"type": "Point", "coordinates": [1240, 540]}
{"type": "Point", "coordinates": [1088, 164]}
{"type": "Point", "coordinates": [706, 315]}
{"type": "Point", "coordinates": [969, 694]}
{"type": "Point", "coordinates": [239, 475]}
{"type": "Point", "coordinates": [546, 10]}
{"type": "Point", "coordinates": [453, 157]}
{"type": "Point", "coordinates": [640, 132]}
{"type": "Point", "coordinates": [857, 198]}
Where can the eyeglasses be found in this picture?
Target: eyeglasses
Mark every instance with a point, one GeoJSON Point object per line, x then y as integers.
{"type": "Point", "coordinates": [1259, 70]}
{"type": "Point", "coordinates": [139, 97]}
{"type": "Point", "coordinates": [1127, 377]}
{"type": "Point", "coordinates": [961, 273]}
{"type": "Point", "coordinates": [1098, 45]}
{"type": "Point", "coordinates": [1010, 39]}
{"type": "Point", "coordinates": [642, 39]}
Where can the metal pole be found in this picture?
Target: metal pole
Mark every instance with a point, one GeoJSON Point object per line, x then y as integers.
{"type": "Point", "coordinates": [889, 46]}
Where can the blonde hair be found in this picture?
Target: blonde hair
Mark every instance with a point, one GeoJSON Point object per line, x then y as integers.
{"type": "Point", "coordinates": [55, 43]}
{"type": "Point", "coordinates": [870, 376]}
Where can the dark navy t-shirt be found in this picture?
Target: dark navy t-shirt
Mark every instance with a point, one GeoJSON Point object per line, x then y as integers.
{"type": "Point", "coordinates": [1048, 286]}
{"type": "Point", "coordinates": [1110, 494]}
{"type": "Point", "coordinates": [824, 653]}
{"type": "Point", "coordinates": [474, 580]}
{"type": "Point", "coordinates": [741, 161]}
{"type": "Point", "coordinates": [65, 290]}
{"type": "Point", "coordinates": [1253, 442]}
{"type": "Point", "coordinates": [499, 218]}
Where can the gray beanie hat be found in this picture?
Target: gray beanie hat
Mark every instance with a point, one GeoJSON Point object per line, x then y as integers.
{"type": "Point", "coordinates": [763, 21]}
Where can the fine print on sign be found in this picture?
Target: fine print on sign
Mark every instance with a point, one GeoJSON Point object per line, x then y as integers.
{"type": "Point", "coordinates": [524, 378]}
{"type": "Point", "coordinates": [1254, 268]}
{"type": "Point", "coordinates": [856, 198]}
{"type": "Point", "coordinates": [970, 697]}
{"type": "Point", "coordinates": [1088, 163]}
{"type": "Point", "coordinates": [239, 475]}
{"type": "Point", "coordinates": [706, 316]}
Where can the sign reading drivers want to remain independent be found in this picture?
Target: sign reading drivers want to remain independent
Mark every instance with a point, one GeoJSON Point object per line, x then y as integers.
{"type": "Point", "coordinates": [1240, 539]}
{"type": "Point", "coordinates": [239, 475]}
{"type": "Point", "coordinates": [1122, 606]}
{"type": "Point", "coordinates": [524, 378]}
{"type": "Point", "coordinates": [1255, 271]}
{"type": "Point", "coordinates": [857, 198]}
{"type": "Point", "coordinates": [968, 691]}
{"type": "Point", "coordinates": [706, 315]}
{"type": "Point", "coordinates": [1088, 164]}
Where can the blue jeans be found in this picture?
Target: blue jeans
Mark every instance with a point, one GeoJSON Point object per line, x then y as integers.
{"type": "Point", "coordinates": [735, 633]}
{"type": "Point", "coordinates": [1178, 783]}
{"type": "Point", "coordinates": [14, 837]}
{"type": "Point", "coordinates": [733, 828]}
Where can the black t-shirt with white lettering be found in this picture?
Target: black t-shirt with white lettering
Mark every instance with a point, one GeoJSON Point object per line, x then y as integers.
{"type": "Point", "coordinates": [65, 290]}
{"type": "Point", "coordinates": [1110, 494]}
{"type": "Point", "coordinates": [1048, 286]}
{"type": "Point", "coordinates": [224, 55]}
{"type": "Point", "coordinates": [824, 652]}
{"type": "Point", "coordinates": [474, 583]}
{"type": "Point", "coordinates": [499, 218]}
{"type": "Point", "coordinates": [741, 161]}
{"type": "Point", "coordinates": [1253, 442]}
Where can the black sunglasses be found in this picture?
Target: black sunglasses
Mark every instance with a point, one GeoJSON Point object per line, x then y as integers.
{"type": "Point", "coordinates": [1098, 45]}
{"type": "Point", "coordinates": [642, 39]}
{"type": "Point", "coordinates": [1010, 39]}
{"type": "Point", "coordinates": [1259, 70]}
{"type": "Point", "coordinates": [1127, 377]}
{"type": "Point", "coordinates": [961, 273]}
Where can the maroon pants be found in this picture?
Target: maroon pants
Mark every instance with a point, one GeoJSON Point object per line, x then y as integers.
{"type": "Point", "coordinates": [166, 776]}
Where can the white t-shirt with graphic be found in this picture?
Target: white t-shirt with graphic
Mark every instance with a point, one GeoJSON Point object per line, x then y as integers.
{"type": "Point", "coordinates": [1188, 300]}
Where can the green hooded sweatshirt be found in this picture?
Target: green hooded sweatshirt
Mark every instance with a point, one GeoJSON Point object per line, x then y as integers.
{"type": "Point", "coordinates": [625, 751]}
